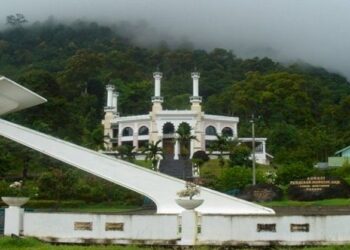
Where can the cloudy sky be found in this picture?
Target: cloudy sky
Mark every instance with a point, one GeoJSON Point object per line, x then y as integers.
{"type": "Point", "coordinates": [314, 31]}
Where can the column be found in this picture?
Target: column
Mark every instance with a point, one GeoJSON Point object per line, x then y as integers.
{"type": "Point", "coordinates": [115, 101]}
{"type": "Point", "coordinates": [195, 77]}
{"type": "Point", "coordinates": [135, 138]}
{"type": "Point", "coordinates": [188, 227]}
{"type": "Point", "coordinates": [110, 89]}
{"type": "Point", "coordinates": [195, 99]}
{"type": "Point", "coordinates": [192, 142]}
{"type": "Point", "coordinates": [157, 77]}
{"type": "Point", "coordinates": [13, 220]}
{"type": "Point", "coordinates": [176, 150]}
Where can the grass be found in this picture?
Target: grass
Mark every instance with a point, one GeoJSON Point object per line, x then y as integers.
{"type": "Point", "coordinates": [327, 202]}
{"type": "Point", "coordinates": [7, 243]}
{"type": "Point", "coordinates": [100, 208]}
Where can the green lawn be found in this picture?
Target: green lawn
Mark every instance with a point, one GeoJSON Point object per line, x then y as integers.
{"type": "Point", "coordinates": [7, 243]}
{"type": "Point", "coordinates": [328, 202]}
{"type": "Point", "coordinates": [100, 208]}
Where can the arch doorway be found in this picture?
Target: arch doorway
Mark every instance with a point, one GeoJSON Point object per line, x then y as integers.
{"type": "Point", "coordinates": [168, 140]}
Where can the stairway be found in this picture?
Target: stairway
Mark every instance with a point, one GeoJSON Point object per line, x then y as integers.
{"type": "Point", "coordinates": [181, 169]}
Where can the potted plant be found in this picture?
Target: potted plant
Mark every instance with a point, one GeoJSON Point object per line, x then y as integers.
{"type": "Point", "coordinates": [189, 192]}
{"type": "Point", "coordinates": [16, 194]}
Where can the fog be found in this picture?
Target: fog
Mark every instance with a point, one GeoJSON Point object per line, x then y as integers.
{"type": "Point", "coordinates": [313, 31]}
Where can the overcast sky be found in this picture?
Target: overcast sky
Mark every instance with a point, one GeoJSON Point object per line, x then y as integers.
{"type": "Point", "coordinates": [314, 31]}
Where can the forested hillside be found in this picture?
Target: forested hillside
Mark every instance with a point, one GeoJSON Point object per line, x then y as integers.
{"type": "Point", "coordinates": [303, 110]}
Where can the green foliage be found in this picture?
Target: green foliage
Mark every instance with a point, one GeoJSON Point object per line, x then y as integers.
{"type": "Point", "coordinates": [239, 156]}
{"type": "Point", "coordinates": [291, 172]}
{"type": "Point", "coordinates": [304, 110]}
{"type": "Point", "coordinates": [126, 152]}
{"type": "Point", "coordinates": [200, 157]}
{"type": "Point", "coordinates": [235, 178]}
{"type": "Point", "coordinates": [153, 152]}
{"type": "Point", "coordinates": [184, 138]}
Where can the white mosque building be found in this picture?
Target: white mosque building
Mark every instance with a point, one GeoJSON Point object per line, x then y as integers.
{"type": "Point", "coordinates": [159, 124]}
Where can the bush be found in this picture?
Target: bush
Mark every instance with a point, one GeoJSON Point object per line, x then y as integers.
{"type": "Point", "coordinates": [292, 172]}
{"type": "Point", "coordinates": [240, 156]}
{"type": "Point", "coordinates": [200, 157]}
{"type": "Point", "coordinates": [235, 178]}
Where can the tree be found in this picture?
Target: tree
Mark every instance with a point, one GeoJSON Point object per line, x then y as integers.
{"type": "Point", "coordinates": [126, 152]}
{"type": "Point", "coordinates": [200, 157]}
{"type": "Point", "coordinates": [184, 138]}
{"type": "Point", "coordinates": [222, 144]}
{"type": "Point", "coordinates": [153, 152]}
{"type": "Point", "coordinates": [239, 156]}
{"type": "Point", "coordinates": [16, 20]}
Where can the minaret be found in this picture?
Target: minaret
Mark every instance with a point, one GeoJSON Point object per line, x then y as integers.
{"type": "Point", "coordinates": [157, 99]}
{"type": "Point", "coordinates": [110, 89]}
{"type": "Point", "coordinates": [196, 100]}
{"type": "Point", "coordinates": [111, 111]}
{"type": "Point", "coordinates": [115, 103]}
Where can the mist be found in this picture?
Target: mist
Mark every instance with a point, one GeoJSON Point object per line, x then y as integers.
{"type": "Point", "coordinates": [312, 31]}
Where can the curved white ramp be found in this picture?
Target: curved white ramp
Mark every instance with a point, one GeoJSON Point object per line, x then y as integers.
{"type": "Point", "coordinates": [160, 188]}
{"type": "Point", "coordinates": [14, 97]}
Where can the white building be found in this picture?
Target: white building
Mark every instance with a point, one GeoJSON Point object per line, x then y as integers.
{"type": "Point", "coordinates": [162, 125]}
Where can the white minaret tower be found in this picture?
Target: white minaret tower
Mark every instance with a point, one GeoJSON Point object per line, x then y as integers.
{"type": "Point", "coordinates": [115, 102]}
{"type": "Point", "coordinates": [157, 97]}
{"type": "Point", "coordinates": [195, 98]}
{"type": "Point", "coordinates": [157, 100]}
{"type": "Point", "coordinates": [110, 89]}
{"type": "Point", "coordinates": [111, 111]}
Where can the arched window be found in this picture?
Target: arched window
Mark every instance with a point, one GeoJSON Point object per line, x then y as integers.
{"type": "Point", "coordinates": [168, 128]}
{"type": "Point", "coordinates": [210, 130]}
{"type": "Point", "coordinates": [143, 130]}
{"type": "Point", "coordinates": [127, 131]}
{"type": "Point", "coordinates": [226, 131]}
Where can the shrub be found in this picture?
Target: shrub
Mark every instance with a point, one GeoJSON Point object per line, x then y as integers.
{"type": "Point", "coordinates": [235, 178]}
{"type": "Point", "coordinates": [239, 156]}
{"type": "Point", "coordinates": [292, 172]}
{"type": "Point", "coordinates": [200, 157]}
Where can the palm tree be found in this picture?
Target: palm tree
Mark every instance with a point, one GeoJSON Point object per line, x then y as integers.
{"type": "Point", "coordinates": [126, 152]}
{"type": "Point", "coordinates": [184, 137]}
{"type": "Point", "coordinates": [222, 144]}
{"type": "Point", "coordinates": [153, 152]}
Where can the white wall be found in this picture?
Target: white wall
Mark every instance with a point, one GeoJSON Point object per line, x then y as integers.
{"type": "Point", "coordinates": [164, 229]}
{"type": "Point", "coordinates": [234, 230]}
{"type": "Point", "coordinates": [60, 227]}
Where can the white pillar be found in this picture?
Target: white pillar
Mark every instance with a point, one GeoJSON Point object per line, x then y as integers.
{"type": "Point", "coordinates": [176, 150]}
{"type": "Point", "coordinates": [110, 89]}
{"type": "Point", "coordinates": [157, 77]}
{"type": "Point", "coordinates": [188, 228]}
{"type": "Point", "coordinates": [13, 220]}
{"type": "Point", "coordinates": [191, 148]}
{"type": "Point", "coordinates": [115, 101]}
{"type": "Point", "coordinates": [195, 76]}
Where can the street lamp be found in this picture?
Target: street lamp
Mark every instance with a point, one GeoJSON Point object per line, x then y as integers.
{"type": "Point", "coordinates": [253, 149]}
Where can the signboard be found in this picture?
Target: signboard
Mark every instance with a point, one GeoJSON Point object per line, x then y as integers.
{"type": "Point", "coordinates": [318, 187]}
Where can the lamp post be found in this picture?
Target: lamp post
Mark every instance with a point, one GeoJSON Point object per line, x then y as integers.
{"type": "Point", "coordinates": [253, 149]}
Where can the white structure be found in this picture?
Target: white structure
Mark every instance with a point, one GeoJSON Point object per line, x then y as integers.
{"type": "Point", "coordinates": [188, 229]}
{"type": "Point", "coordinates": [158, 187]}
{"type": "Point", "coordinates": [162, 125]}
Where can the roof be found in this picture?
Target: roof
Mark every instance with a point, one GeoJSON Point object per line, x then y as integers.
{"type": "Point", "coordinates": [342, 150]}
{"type": "Point", "coordinates": [14, 97]}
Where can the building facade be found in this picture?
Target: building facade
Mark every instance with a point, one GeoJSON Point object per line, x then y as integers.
{"type": "Point", "coordinates": [162, 125]}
